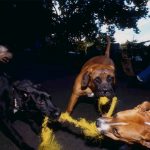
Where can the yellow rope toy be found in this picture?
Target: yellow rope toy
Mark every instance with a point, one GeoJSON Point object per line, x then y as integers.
{"type": "Point", "coordinates": [104, 101]}
{"type": "Point", "coordinates": [88, 128]}
{"type": "Point", "coordinates": [48, 141]}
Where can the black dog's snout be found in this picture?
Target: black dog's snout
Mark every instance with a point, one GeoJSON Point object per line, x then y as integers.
{"type": "Point", "coordinates": [56, 114]}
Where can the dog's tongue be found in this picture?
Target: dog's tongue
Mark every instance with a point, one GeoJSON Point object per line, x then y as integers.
{"type": "Point", "coordinates": [103, 100]}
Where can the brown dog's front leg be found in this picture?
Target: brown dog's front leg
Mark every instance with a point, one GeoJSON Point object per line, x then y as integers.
{"type": "Point", "coordinates": [72, 102]}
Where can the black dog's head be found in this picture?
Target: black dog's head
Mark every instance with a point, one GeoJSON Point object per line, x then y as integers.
{"type": "Point", "coordinates": [29, 98]}
{"type": "Point", "coordinates": [101, 82]}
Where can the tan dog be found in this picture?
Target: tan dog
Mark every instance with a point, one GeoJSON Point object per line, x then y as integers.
{"type": "Point", "coordinates": [96, 78]}
{"type": "Point", "coordinates": [131, 126]}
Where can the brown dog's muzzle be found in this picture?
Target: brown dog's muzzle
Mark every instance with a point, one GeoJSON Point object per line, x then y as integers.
{"type": "Point", "coordinates": [104, 91]}
{"type": "Point", "coordinates": [103, 88]}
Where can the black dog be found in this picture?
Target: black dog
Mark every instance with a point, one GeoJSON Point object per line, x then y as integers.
{"type": "Point", "coordinates": [23, 100]}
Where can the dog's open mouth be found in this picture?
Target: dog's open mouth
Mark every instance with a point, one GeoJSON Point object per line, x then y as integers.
{"type": "Point", "coordinates": [107, 94]}
{"type": "Point", "coordinates": [104, 92]}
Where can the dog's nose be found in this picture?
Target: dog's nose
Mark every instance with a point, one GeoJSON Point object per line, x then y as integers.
{"type": "Point", "coordinates": [98, 123]}
{"type": "Point", "coordinates": [105, 89]}
{"type": "Point", "coordinates": [56, 114]}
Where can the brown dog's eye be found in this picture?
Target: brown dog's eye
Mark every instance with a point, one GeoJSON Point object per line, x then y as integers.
{"type": "Point", "coordinates": [110, 79]}
{"type": "Point", "coordinates": [115, 132]}
{"type": "Point", "coordinates": [97, 80]}
{"type": "Point", "coordinates": [115, 115]}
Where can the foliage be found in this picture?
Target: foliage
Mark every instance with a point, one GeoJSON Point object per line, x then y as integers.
{"type": "Point", "coordinates": [77, 19]}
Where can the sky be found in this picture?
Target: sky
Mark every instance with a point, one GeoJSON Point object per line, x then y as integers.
{"type": "Point", "coordinates": [130, 35]}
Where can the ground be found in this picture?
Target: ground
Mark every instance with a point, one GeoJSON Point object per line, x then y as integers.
{"type": "Point", "coordinates": [58, 82]}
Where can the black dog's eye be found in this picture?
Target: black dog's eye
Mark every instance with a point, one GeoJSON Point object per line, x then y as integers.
{"type": "Point", "coordinates": [42, 96]}
{"type": "Point", "coordinates": [110, 79]}
{"type": "Point", "coordinates": [25, 94]}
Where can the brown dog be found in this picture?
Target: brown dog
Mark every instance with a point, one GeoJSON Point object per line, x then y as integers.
{"type": "Point", "coordinates": [131, 126]}
{"type": "Point", "coordinates": [96, 78]}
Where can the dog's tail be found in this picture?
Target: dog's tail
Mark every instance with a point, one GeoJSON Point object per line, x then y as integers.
{"type": "Point", "coordinates": [107, 51]}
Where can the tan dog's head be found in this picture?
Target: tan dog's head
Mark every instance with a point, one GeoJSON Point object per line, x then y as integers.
{"type": "Point", "coordinates": [129, 125]}
{"type": "Point", "coordinates": [101, 81]}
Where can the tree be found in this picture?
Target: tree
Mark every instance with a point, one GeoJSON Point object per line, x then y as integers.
{"type": "Point", "coordinates": [73, 20]}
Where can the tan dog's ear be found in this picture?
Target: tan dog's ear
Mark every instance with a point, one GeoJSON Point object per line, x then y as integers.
{"type": "Point", "coordinates": [85, 80]}
{"type": "Point", "coordinates": [145, 106]}
{"type": "Point", "coordinates": [146, 143]}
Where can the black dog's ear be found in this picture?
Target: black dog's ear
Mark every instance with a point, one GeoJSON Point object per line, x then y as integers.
{"type": "Point", "coordinates": [85, 80]}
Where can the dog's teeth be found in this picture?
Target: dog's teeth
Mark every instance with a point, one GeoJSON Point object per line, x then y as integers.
{"type": "Point", "coordinates": [91, 95]}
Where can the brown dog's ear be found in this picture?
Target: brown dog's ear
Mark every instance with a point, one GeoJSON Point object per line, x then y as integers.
{"type": "Point", "coordinates": [85, 80]}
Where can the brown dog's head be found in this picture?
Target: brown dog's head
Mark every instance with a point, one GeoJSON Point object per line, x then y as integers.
{"type": "Point", "coordinates": [129, 126]}
{"type": "Point", "coordinates": [101, 81]}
